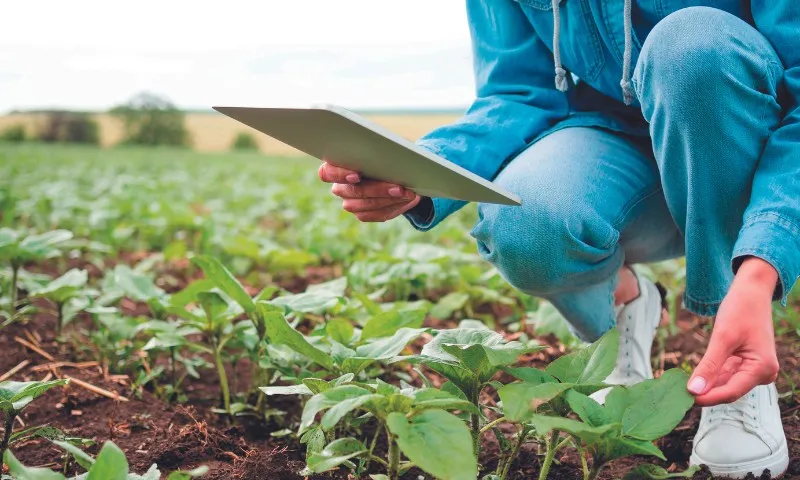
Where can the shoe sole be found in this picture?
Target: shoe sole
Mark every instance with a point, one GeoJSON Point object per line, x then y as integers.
{"type": "Point", "coordinates": [777, 463]}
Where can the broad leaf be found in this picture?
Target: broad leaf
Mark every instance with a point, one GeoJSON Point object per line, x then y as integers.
{"type": "Point", "coordinates": [64, 287]}
{"type": "Point", "coordinates": [14, 396]}
{"type": "Point", "coordinates": [327, 399]}
{"type": "Point", "coordinates": [587, 409]}
{"type": "Point", "coordinates": [188, 475]}
{"type": "Point", "coordinates": [225, 281]}
{"type": "Point", "coordinates": [83, 458]}
{"type": "Point", "coordinates": [447, 305]}
{"type": "Point", "coordinates": [336, 412]}
{"type": "Point", "coordinates": [614, 447]}
{"type": "Point", "coordinates": [19, 471]}
{"type": "Point", "coordinates": [520, 400]}
{"type": "Point", "coordinates": [390, 347]}
{"type": "Point", "coordinates": [591, 435]}
{"type": "Point", "coordinates": [335, 454]}
{"type": "Point", "coordinates": [110, 464]}
{"type": "Point", "coordinates": [427, 398]}
{"type": "Point", "coordinates": [135, 285]}
{"type": "Point", "coordinates": [530, 375]}
{"type": "Point", "coordinates": [281, 333]}
{"type": "Point", "coordinates": [214, 305]}
{"type": "Point", "coordinates": [287, 390]}
{"type": "Point", "coordinates": [437, 442]}
{"type": "Point", "coordinates": [591, 364]}
{"type": "Point", "coordinates": [388, 323]}
{"type": "Point", "coordinates": [666, 396]}
{"type": "Point", "coordinates": [340, 329]}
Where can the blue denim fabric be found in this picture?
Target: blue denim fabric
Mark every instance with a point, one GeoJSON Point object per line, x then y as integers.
{"type": "Point", "coordinates": [706, 162]}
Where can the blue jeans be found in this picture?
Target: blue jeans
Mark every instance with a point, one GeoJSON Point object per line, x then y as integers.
{"type": "Point", "coordinates": [594, 199]}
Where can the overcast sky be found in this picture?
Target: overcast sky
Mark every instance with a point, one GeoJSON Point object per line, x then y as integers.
{"type": "Point", "coordinates": [93, 54]}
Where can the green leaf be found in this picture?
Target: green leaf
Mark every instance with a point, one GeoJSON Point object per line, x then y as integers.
{"type": "Point", "coordinates": [530, 375]}
{"type": "Point", "coordinates": [189, 293]}
{"type": "Point", "coordinates": [591, 435]}
{"type": "Point", "coordinates": [427, 398]}
{"type": "Point", "coordinates": [14, 396]}
{"type": "Point", "coordinates": [64, 287]}
{"type": "Point", "coordinates": [110, 464]}
{"type": "Point", "coordinates": [449, 304]}
{"type": "Point", "coordinates": [338, 411]}
{"type": "Point", "coordinates": [389, 347]}
{"type": "Point", "coordinates": [136, 286]}
{"type": "Point", "coordinates": [225, 281]}
{"type": "Point", "coordinates": [214, 305]}
{"type": "Point", "coordinates": [612, 448]}
{"type": "Point", "coordinates": [42, 431]}
{"type": "Point", "coordinates": [327, 399]}
{"type": "Point", "coordinates": [388, 323]}
{"type": "Point", "coordinates": [19, 471]}
{"type": "Point", "coordinates": [43, 245]}
{"type": "Point", "coordinates": [281, 333]}
{"type": "Point", "coordinates": [588, 365]}
{"type": "Point", "coordinates": [667, 396]}
{"type": "Point", "coordinates": [340, 329]}
{"type": "Point", "coordinates": [520, 400]}
{"type": "Point", "coordinates": [437, 442]}
{"type": "Point", "coordinates": [587, 409]}
{"type": "Point", "coordinates": [654, 472]}
{"type": "Point", "coordinates": [83, 458]}
{"type": "Point", "coordinates": [287, 390]}
{"type": "Point", "coordinates": [314, 439]}
{"type": "Point", "coordinates": [316, 298]}
{"type": "Point", "coordinates": [187, 475]}
{"type": "Point", "coordinates": [335, 454]}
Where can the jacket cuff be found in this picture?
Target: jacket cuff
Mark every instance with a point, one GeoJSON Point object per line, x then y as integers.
{"type": "Point", "coordinates": [432, 213]}
{"type": "Point", "coordinates": [776, 240]}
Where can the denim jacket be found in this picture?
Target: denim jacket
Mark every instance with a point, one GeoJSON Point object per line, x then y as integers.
{"type": "Point", "coordinates": [517, 101]}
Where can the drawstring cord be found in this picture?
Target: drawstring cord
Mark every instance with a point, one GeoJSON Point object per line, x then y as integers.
{"type": "Point", "coordinates": [561, 74]}
{"type": "Point", "coordinates": [625, 83]}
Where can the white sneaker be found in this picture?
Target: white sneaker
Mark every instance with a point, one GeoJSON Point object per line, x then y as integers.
{"type": "Point", "coordinates": [743, 437]}
{"type": "Point", "coordinates": [637, 322]}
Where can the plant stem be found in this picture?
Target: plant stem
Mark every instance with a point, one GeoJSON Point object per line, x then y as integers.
{"type": "Point", "coordinates": [491, 424]}
{"type": "Point", "coordinates": [595, 472]}
{"type": "Point", "coordinates": [584, 465]}
{"type": "Point", "coordinates": [223, 380]}
{"type": "Point", "coordinates": [548, 457]}
{"type": "Point", "coordinates": [7, 434]}
{"type": "Point", "coordinates": [172, 367]}
{"type": "Point", "coordinates": [523, 433]}
{"type": "Point", "coordinates": [60, 319]}
{"type": "Point", "coordinates": [374, 442]}
{"type": "Point", "coordinates": [377, 459]}
{"type": "Point", "coordinates": [14, 278]}
{"type": "Point", "coordinates": [476, 421]}
{"type": "Point", "coordinates": [394, 457]}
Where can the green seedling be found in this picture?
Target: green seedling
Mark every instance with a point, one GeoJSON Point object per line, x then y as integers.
{"type": "Point", "coordinates": [110, 464]}
{"type": "Point", "coordinates": [16, 251]}
{"type": "Point", "coordinates": [14, 397]}
{"type": "Point", "coordinates": [469, 358]}
{"type": "Point", "coordinates": [69, 295]}
{"type": "Point", "coordinates": [416, 422]}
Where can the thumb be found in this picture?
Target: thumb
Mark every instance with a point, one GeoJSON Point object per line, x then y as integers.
{"type": "Point", "coordinates": [705, 375]}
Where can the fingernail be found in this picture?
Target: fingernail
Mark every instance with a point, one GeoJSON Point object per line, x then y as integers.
{"type": "Point", "coordinates": [697, 385]}
{"type": "Point", "coordinates": [352, 178]}
{"type": "Point", "coordinates": [396, 192]}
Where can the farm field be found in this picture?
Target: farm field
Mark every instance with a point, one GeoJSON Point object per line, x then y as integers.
{"type": "Point", "coordinates": [219, 310]}
{"type": "Point", "coordinates": [214, 132]}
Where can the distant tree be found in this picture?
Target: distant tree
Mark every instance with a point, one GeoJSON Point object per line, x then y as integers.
{"type": "Point", "coordinates": [244, 141]}
{"type": "Point", "coordinates": [14, 133]}
{"type": "Point", "coordinates": [152, 120]}
{"type": "Point", "coordinates": [69, 127]}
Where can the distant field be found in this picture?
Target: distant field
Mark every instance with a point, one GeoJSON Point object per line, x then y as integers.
{"type": "Point", "coordinates": [212, 132]}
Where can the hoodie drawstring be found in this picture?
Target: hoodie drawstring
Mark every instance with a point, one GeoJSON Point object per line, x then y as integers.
{"type": "Point", "coordinates": [561, 74]}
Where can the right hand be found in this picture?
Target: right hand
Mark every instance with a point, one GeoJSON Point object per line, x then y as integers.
{"type": "Point", "coordinates": [368, 200]}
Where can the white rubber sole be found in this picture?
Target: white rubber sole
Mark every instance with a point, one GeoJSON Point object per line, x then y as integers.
{"type": "Point", "coordinates": [777, 463]}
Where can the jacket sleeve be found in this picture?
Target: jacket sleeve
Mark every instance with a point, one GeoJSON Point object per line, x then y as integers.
{"type": "Point", "coordinates": [771, 228]}
{"type": "Point", "coordinates": [516, 100]}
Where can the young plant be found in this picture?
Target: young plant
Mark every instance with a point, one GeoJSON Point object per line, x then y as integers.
{"type": "Point", "coordinates": [16, 251]}
{"type": "Point", "coordinates": [416, 422]}
{"type": "Point", "coordinates": [65, 289]}
{"type": "Point", "coordinates": [14, 397]}
{"type": "Point", "coordinates": [110, 464]}
{"type": "Point", "coordinates": [469, 357]}
{"type": "Point", "coordinates": [542, 391]}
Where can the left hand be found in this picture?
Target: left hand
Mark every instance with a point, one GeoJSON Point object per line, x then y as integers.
{"type": "Point", "coordinates": [741, 352]}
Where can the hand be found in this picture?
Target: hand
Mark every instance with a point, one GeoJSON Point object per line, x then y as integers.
{"type": "Point", "coordinates": [368, 200]}
{"type": "Point", "coordinates": [741, 353]}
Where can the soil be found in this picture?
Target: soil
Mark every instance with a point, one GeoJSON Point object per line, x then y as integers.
{"type": "Point", "coordinates": [186, 435]}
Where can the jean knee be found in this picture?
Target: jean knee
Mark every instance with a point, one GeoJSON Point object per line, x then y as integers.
{"type": "Point", "coordinates": [698, 55]}
{"type": "Point", "coordinates": [546, 246]}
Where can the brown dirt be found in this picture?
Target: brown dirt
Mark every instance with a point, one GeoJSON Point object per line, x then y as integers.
{"type": "Point", "coordinates": [185, 436]}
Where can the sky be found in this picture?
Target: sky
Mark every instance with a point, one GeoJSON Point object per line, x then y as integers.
{"type": "Point", "coordinates": [94, 54]}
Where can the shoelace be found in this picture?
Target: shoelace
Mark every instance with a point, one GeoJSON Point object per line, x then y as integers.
{"type": "Point", "coordinates": [742, 410]}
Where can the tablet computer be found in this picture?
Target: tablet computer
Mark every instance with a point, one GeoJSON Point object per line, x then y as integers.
{"type": "Point", "coordinates": [344, 138]}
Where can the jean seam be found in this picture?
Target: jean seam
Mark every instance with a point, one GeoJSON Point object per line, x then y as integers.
{"type": "Point", "coordinates": [635, 202]}
{"type": "Point", "coordinates": [781, 221]}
